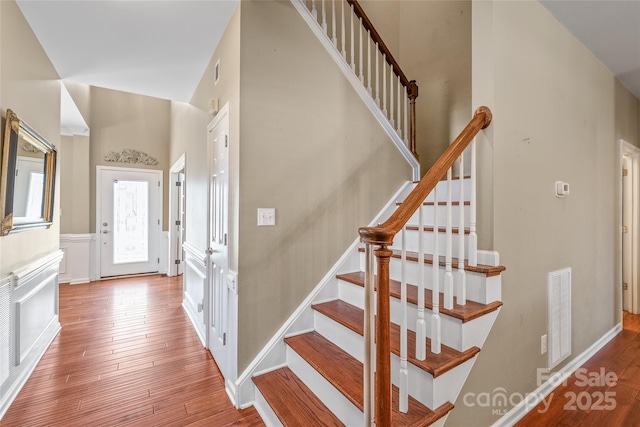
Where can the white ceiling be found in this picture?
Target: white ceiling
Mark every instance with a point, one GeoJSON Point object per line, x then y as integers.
{"type": "Point", "coordinates": [161, 48]}
{"type": "Point", "coordinates": [154, 48]}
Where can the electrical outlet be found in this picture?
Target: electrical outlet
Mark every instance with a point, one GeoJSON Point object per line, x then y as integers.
{"type": "Point", "coordinates": [543, 344]}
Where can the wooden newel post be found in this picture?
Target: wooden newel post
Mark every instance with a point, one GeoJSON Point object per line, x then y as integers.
{"type": "Point", "coordinates": [383, 342]}
{"type": "Point", "coordinates": [412, 91]}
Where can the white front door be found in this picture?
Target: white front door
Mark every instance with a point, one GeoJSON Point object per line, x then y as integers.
{"type": "Point", "coordinates": [218, 148]}
{"type": "Point", "coordinates": [128, 220]}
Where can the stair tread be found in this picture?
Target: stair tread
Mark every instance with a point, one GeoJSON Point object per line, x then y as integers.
{"type": "Point", "coordinates": [345, 373]}
{"type": "Point", "coordinates": [440, 203]}
{"type": "Point", "coordinates": [292, 401]}
{"type": "Point", "coordinates": [429, 228]}
{"type": "Point", "coordinates": [436, 364]}
{"type": "Point", "coordinates": [471, 310]}
{"type": "Point", "coordinates": [488, 270]}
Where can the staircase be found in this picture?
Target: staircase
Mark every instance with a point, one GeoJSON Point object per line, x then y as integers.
{"type": "Point", "coordinates": [391, 334]}
{"type": "Point", "coordinates": [322, 382]}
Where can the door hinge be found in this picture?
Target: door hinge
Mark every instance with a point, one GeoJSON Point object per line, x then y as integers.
{"type": "Point", "coordinates": [224, 339]}
{"type": "Point", "coordinates": [625, 286]}
{"type": "Point", "coordinates": [178, 184]}
{"type": "Point", "coordinates": [177, 262]}
{"type": "Point", "coordinates": [625, 172]}
{"type": "Point", "coordinates": [225, 239]}
{"type": "Point", "coordinates": [226, 141]}
{"type": "Point", "coordinates": [158, 183]}
{"type": "Point", "coordinates": [158, 222]}
{"type": "Point", "coordinates": [158, 260]}
{"type": "Point", "coordinates": [625, 229]}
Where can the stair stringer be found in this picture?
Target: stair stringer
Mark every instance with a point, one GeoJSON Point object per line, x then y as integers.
{"type": "Point", "coordinates": [358, 86]}
{"type": "Point", "coordinates": [273, 354]}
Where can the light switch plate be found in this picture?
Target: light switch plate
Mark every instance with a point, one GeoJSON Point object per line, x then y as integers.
{"type": "Point", "coordinates": [266, 216]}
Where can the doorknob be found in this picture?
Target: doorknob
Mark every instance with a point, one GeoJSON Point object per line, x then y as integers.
{"type": "Point", "coordinates": [104, 224]}
{"type": "Point", "coordinates": [210, 251]}
{"type": "Point", "coordinates": [105, 231]}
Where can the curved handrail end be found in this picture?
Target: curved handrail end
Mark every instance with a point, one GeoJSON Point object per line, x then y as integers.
{"type": "Point", "coordinates": [487, 115]}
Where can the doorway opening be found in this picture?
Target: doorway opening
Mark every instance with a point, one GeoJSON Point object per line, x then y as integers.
{"type": "Point", "coordinates": [629, 220]}
{"type": "Point", "coordinates": [177, 216]}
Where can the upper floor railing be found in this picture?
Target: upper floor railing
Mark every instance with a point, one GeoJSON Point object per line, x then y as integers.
{"type": "Point", "coordinates": [347, 26]}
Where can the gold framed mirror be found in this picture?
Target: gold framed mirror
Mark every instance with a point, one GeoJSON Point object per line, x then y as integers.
{"type": "Point", "coordinates": [27, 179]}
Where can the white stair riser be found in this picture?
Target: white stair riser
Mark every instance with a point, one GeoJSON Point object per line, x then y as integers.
{"type": "Point", "coordinates": [333, 399]}
{"type": "Point", "coordinates": [427, 215]}
{"type": "Point", "coordinates": [480, 288]}
{"type": "Point", "coordinates": [455, 334]}
{"type": "Point", "coordinates": [413, 238]}
{"type": "Point", "coordinates": [433, 392]}
{"type": "Point", "coordinates": [264, 410]}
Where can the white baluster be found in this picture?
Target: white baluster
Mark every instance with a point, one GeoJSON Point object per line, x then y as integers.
{"type": "Point", "coordinates": [448, 275]}
{"type": "Point", "coordinates": [314, 11]}
{"type": "Point", "coordinates": [406, 118]}
{"type": "Point", "coordinates": [369, 341]}
{"type": "Point", "coordinates": [344, 34]}
{"type": "Point", "coordinates": [436, 334]}
{"type": "Point", "coordinates": [384, 84]}
{"type": "Point", "coordinates": [334, 39]}
{"type": "Point", "coordinates": [360, 51]}
{"type": "Point", "coordinates": [421, 324]}
{"type": "Point", "coordinates": [369, 61]}
{"type": "Point", "coordinates": [391, 103]}
{"type": "Point", "coordinates": [404, 367]}
{"type": "Point", "coordinates": [461, 298]}
{"type": "Point", "coordinates": [399, 128]}
{"type": "Point", "coordinates": [324, 18]}
{"type": "Point", "coordinates": [353, 50]}
{"type": "Point", "coordinates": [473, 237]}
{"type": "Point", "coordinates": [377, 75]}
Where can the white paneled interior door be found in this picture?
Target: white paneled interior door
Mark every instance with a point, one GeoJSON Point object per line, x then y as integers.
{"type": "Point", "coordinates": [217, 313]}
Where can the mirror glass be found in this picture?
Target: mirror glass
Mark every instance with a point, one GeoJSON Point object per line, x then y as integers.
{"type": "Point", "coordinates": [27, 180]}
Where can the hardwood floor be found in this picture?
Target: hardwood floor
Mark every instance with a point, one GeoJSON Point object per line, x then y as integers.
{"type": "Point", "coordinates": [127, 355]}
{"type": "Point", "coordinates": [605, 393]}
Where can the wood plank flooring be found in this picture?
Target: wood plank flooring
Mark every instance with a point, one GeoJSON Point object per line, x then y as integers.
{"type": "Point", "coordinates": [605, 393]}
{"type": "Point", "coordinates": [127, 355]}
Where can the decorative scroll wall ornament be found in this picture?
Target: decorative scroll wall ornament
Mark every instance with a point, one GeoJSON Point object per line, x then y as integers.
{"type": "Point", "coordinates": [130, 156]}
{"type": "Point", "coordinates": [29, 148]}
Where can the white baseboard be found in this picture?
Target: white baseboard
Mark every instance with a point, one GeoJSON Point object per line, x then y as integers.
{"type": "Point", "coordinates": [534, 398]}
{"type": "Point", "coordinates": [75, 266]}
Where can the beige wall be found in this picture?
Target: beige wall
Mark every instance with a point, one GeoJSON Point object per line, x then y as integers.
{"type": "Point", "coordinates": [310, 149]}
{"type": "Point", "coordinates": [431, 40]}
{"type": "Point", "coordinates": [81, 95]}
{"type": "Point", "coordinates": [557, 115]}
{"type": "Point", "coordinates": [74, 184]}
{"type": "Point", "coordinates": [30, 86]}
{"type": "Point", "coordinates": [121, 120]}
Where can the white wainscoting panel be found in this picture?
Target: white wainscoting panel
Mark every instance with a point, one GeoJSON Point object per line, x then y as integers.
{"type": "Point", "coordinates": [6, 291]}
{"type": "Point", "coordinates": [194, 283]}
{"type": "Point", "coordinates": [75, 266]}
{"type": "Point", "coordinates": [33, 321]}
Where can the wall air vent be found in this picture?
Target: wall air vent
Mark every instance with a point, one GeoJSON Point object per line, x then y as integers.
{"type": "Point", "coordinates": [559, 309]}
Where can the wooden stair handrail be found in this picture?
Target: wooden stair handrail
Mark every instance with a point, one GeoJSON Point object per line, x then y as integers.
{"type": "Point", "coordinates": [384, 233]}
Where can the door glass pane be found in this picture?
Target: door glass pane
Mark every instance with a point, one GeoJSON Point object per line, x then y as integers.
{"type": "Point", "coordinates": [130, 221]}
